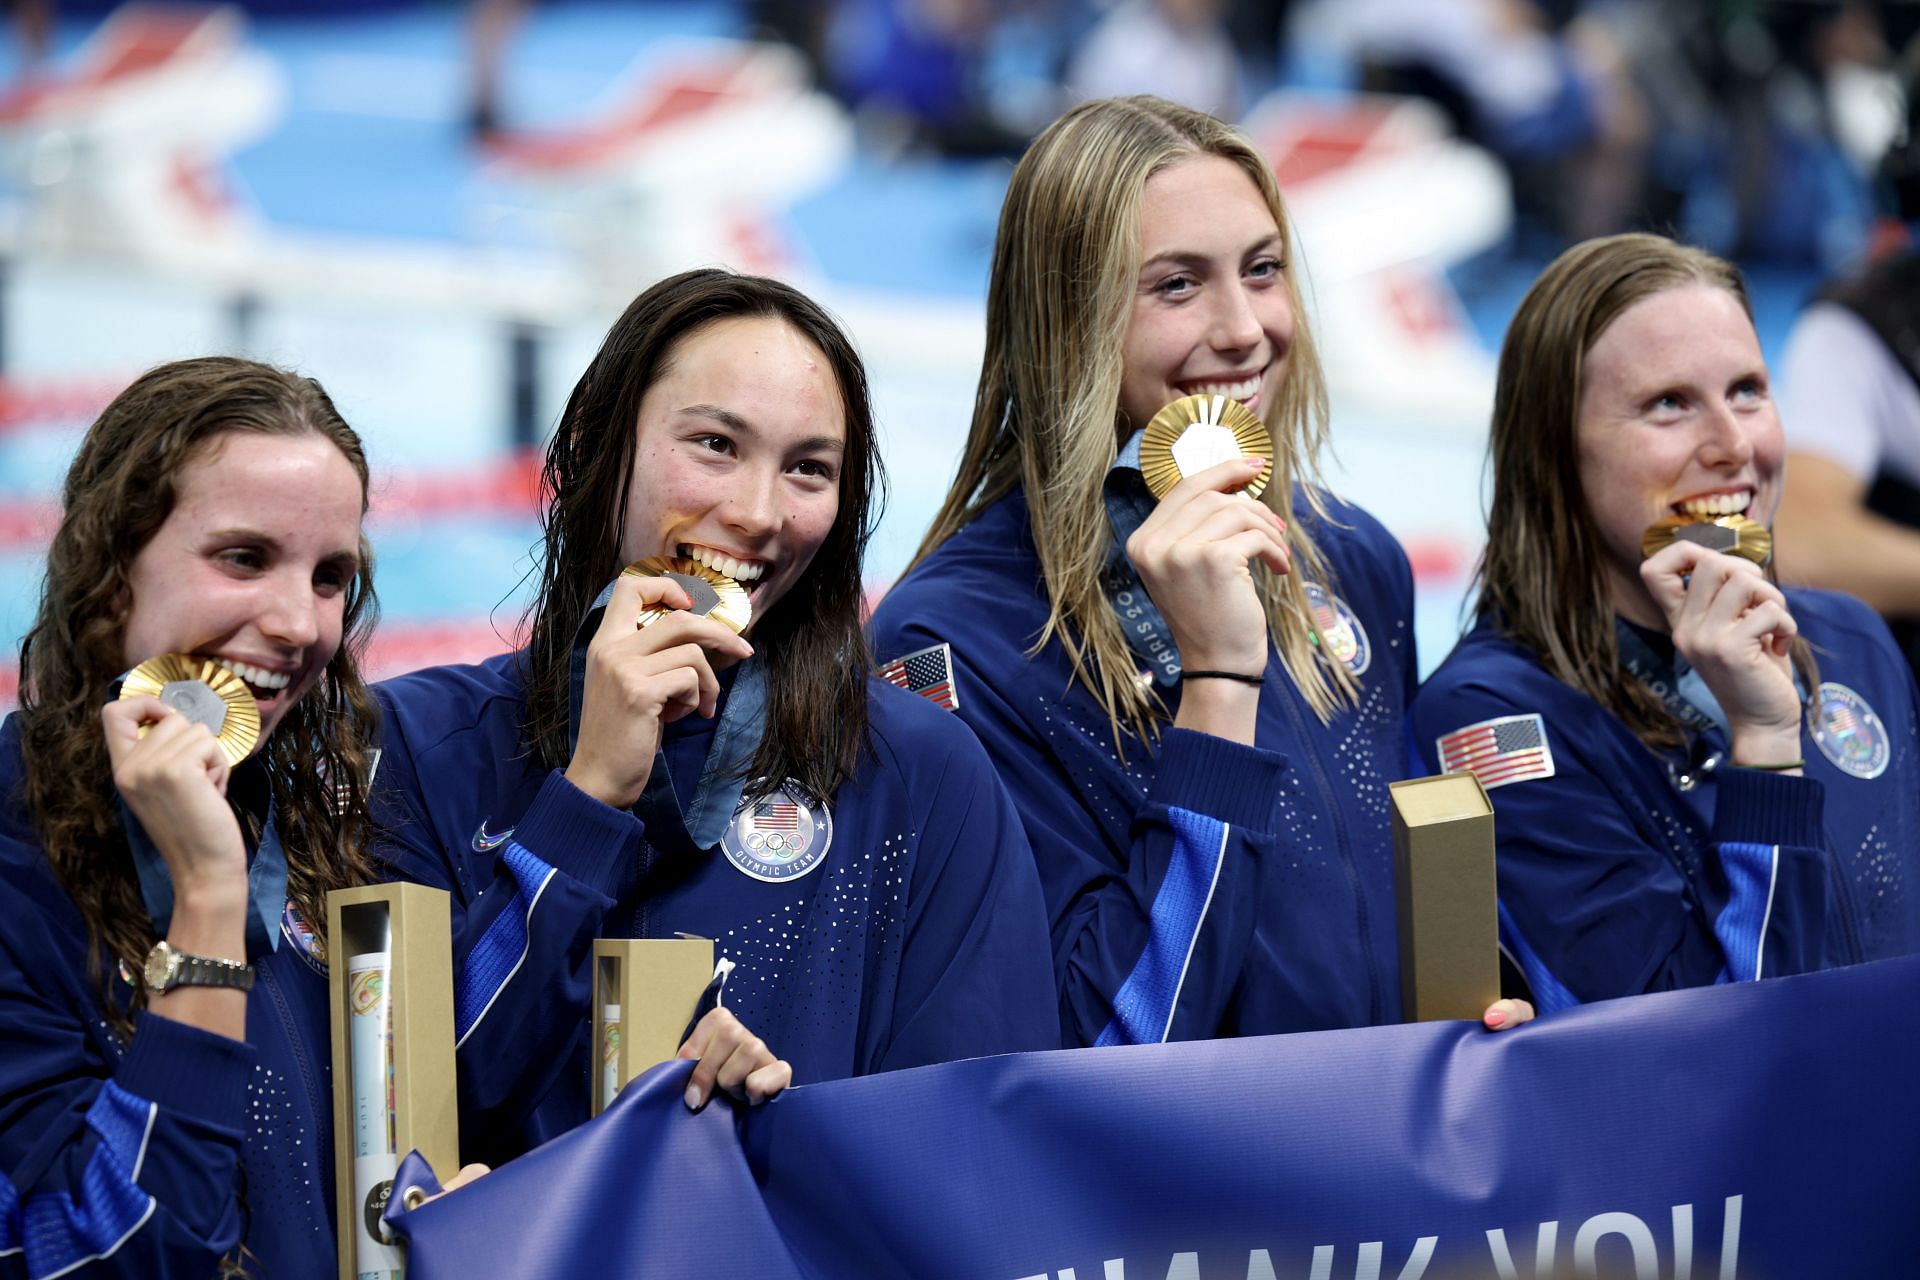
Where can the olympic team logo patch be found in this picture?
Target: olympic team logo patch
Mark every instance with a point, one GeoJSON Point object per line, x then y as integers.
{"type": "Point", "coordinates": [778, 837]}
{"type": "Point", "coordinates": [305, 940]}
{"type": "Point", "coordinates": [1341, 637]}
{"type": "Point", "coordinates": [1848, 732]}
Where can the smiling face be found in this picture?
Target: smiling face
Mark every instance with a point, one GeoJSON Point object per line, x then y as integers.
{"type": "Point", "coordinates": [253, 564]}
{"type": "Point", "coordinates": [738, 456]}
{"type": "Point", "coordinates": [1211, 309]}
{"type": "Point", "coordinates": [1675, 418]}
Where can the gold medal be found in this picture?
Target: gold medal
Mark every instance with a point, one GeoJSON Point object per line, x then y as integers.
{"type": "Point", "coordinates": [1731, 535]}
{"type": "Point", "coordinates": [1197, 432]}
{"type": "Point", "coordinates": [204, 692]}
{"type": "Point", "coordinates": [714, 594]}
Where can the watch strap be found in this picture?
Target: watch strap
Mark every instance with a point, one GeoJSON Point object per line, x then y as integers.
{"type": "Point", "coordinates": [206, 971]}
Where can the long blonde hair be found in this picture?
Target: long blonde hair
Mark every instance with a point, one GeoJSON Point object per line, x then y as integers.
{"type": "Point", "coordinates": [1058, 306]}
{"type": "Point", "coordinates": [1542, 580]}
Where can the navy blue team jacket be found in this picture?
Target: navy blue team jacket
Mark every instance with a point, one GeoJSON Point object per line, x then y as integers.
{"type": "Point", "coordinates": [1629, 870]}
{"type": "Point", "coordinates": [1196, 887]}
{"type": "Point", "coordinates": [918, 938]}
{"type": "Point", "coordinates": [153, 1158]}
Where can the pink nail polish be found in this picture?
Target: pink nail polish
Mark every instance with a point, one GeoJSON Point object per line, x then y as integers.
{"type": "Point", "coordinates": [1495, 1019]}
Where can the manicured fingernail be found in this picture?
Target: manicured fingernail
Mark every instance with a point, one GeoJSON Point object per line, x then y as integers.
{"type": "Point", "coordinates": [693, 1097]}
{"type": "Point", "coordinates": [1495, 1019]}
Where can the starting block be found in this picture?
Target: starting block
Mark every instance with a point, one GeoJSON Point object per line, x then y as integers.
{"type": "Point", "coordinates": [689, 164]}
{"type": "Point", "coordinates": [125, 153]}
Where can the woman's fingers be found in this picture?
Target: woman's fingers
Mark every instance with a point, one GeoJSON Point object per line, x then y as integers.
{"type": "Point", "coordinates": [726, 1055]}
{"type": "Point", "coordinates": [767, 1081]}
{"type": "Point", "coordinates": [1504, 1015]}
{"type": "Point", "coordinates": [632, 596]}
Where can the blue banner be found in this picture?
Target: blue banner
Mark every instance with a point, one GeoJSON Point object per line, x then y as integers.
{"type": "Point", "coordinates": [1758, 1131]}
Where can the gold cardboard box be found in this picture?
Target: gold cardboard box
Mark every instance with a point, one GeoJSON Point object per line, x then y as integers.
{"type": "Point", "coordinates": [1445, 897]}
{"type": "Point", "coordinates": [644, 993]}
{"type": "Point", "coordinates": [406, 925]}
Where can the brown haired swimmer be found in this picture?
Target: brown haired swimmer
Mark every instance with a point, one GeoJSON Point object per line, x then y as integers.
{"type": "Point", "coordinates": [1701, 776]}
{"type": "Point", "coordinates": [170, 832]}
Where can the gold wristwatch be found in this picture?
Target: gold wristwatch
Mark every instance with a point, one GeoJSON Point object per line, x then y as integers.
{"type": "Point", "coordinates": [167, 968]}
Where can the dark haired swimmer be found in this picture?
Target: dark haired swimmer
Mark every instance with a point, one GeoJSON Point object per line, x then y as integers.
{"type": "Point", "coordinates": [844, 843]}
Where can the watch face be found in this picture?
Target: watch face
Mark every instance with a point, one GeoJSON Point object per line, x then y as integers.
{"type": "Point", "coordinates": [159, 967]}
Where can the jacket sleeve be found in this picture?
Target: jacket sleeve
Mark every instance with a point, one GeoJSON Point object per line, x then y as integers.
{"type": "Point", "coordinates": [975, 973]}
{"type": "Point", "coordinates": [1151, 911]}
{"type": "Point", "coordinates": [1594, 901]}
{"type": "Point", "coordinates": [129, 1169]}
{"type": "Point", "coordinates": [525, 912]}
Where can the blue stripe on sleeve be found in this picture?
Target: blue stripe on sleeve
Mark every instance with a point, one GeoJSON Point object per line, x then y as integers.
{"type": "Point", "coordinates": [1549, 995]}
{"type": "Point", "coordinates": [503, 947]}
{"type": "Point", "coordinates": [1143, 1007]}
{"type": "Point", "coordinates": [10, 1227]}
{"type": "Point", "coordinates": [1751, 870]}
{"type": "Point", "coordinates": [60, 1232]}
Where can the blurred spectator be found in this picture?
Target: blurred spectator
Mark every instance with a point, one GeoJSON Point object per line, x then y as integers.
{"type": "Point", "coordinates": [490, 28]}
{"type": "Point", "coordinates": [33, 31]}
{"type": "Point", "coordinates": [913, 72]}
{"type": "Point", "coordinates": [1850, 403]}
{"type": "Point", "coordinates": [1557, 104]}
{"type": "Point", "coordinates": [1175, 49]}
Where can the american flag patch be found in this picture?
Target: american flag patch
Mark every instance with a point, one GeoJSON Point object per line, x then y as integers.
{"type": "Point", "coordinates": [928, 672]}
{"type": "Point", "coordinates": [776, 815]}
{"type": "Point", "coordinates": [1509, 749]}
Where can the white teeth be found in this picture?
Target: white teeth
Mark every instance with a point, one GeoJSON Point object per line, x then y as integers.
{"type": "Point", "coordinates": [1244, 389]}
{"type": "Point", "coordinates": [738, 570]}
{"type": "Point", "coordinates": [256, 677]}
{"type": "Point", "coordinates": [1717, 504]}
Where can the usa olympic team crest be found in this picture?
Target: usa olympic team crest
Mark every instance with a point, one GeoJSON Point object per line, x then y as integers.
{"type": "Point", "coordinates": [1341, 638]}
{"type": "Point", "coordinates": [304, 938]}
{"type": "Point", "coordinates": [780, 836]}
{"type": "Point", "coordinates": [1848, 732]}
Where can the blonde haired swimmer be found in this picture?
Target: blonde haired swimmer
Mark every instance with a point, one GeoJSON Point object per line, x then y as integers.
{"type": "Point", "coordinates": [1197, 702]}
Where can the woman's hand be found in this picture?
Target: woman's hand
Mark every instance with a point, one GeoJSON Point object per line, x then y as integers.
{"type": "Point", "coordinates": [1193, 555]}
{"type": "Point", "coordinates": [729, 1055]}
{"type": "Point", "coordinates": [638, 680]}
{"type": "Point", "coordinates": [1734, 627]}
{"type": "Point", "coordinates": [175, 781]}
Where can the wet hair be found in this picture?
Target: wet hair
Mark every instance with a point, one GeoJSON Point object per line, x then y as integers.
{"type": "Point", "coordinates": [121, 488]}
{"type": "Point", "coordinates": [1542, 579]}
{"type": "Point", "coordinates": [811, 641]}
{"type": "Point", "coordinates": [1046, 416]}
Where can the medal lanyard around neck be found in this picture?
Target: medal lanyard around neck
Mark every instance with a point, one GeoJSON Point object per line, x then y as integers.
{"type": "Point", "coordinates": [723, 778]}
{"type": "Point", "coordinates": [1129, 503]}
{"type": "Point", "coordinates": [1674, 681]}
{"type": "Point", "coordinates": [266, 874]}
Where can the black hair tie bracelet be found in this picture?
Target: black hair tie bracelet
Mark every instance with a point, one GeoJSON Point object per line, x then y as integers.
{"type": "Point", "coordinates": [1241, 676]}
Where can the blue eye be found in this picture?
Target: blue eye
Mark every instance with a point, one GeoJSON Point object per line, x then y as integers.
{"type": "Point", "coordinates": [1267, 268]}
{"type": "Point", "coordinates": [1176, 286]}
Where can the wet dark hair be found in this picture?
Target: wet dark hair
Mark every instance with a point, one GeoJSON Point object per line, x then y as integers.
{"type": "Point", "coordinates": [119, 491]}
{"type": "Point", "coordinates": [811, 641]}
